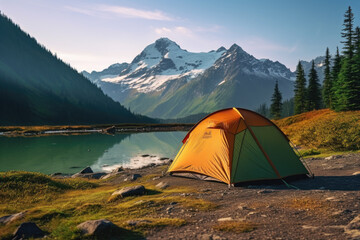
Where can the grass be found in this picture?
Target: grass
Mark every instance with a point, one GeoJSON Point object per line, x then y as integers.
{"type": "Point", "coordinates": [323, 129]}
{"type": "Point", "coordinates": [58, 206]}
{"type": "Point", "coordinates": [235, 226]}
{"type": "Point", "coordinates": [308, 204]}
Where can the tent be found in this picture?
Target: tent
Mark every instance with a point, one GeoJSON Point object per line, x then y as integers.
{"type": "Point", "coordinates": [236, 145]}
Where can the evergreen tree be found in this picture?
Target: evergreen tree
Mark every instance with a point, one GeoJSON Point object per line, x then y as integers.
{"type": "Point", "coordinates": [335, 71]}
{"type": "Point", "coordinates": [356, 68]}
{"type": "Point", "coordinates": [275, 108]}
{"type": "Point", "coordinates": [313, 92]}
{"type": "Point", "coordinates": [300, 90]}
{"type": "Point", "coordinates": [288, 108]}
{"type": "Point", "coordinates": [263, 110]}
{"type": "Point", "coordinates": [327, 83]}
{"type": "Point", "coordinates": [347, 90]}
{"type": "Point", "coordinates": [347, 33]}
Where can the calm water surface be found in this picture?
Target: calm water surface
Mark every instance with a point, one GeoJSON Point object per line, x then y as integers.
{"type": "Point", "coordinates": [67, 154]}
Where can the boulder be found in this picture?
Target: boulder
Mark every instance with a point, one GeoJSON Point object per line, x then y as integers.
{"type": "Point", "coordinates": [86, 170]}
{"type": "Point", "coordinates": [10, 218]}
{"type": "Point", "coordinates": [162, 185]}
{"type": "Point", "coordinates": [353, 228]}
{"type": "Point", "coordinates": [96, 175]}
{"type": "Point", "coordinates": [119, 169]}
{"type": "Point", "coordinates": [28, 230]}
{"type": "Point", "coordinates": [99, 228]}
{"type": "Point", "coordinates": [129, 191]}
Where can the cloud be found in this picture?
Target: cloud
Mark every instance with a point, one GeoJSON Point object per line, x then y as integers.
{"type": "Point", "coordinates": [121, 11]}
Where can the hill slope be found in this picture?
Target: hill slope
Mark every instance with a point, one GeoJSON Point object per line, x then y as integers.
{"type": "Point", "coordinates": [323, 129]}
{"type": "Point", "coordinates": [38, 88]}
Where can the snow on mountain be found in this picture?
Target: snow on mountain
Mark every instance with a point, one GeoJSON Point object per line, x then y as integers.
{"type": "Point", "coordinates": [161, 62]}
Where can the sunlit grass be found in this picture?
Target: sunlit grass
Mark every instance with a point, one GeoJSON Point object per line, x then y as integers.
{"type": "Point", "coordinates": [235, 226]}
{"type": "Point", "coordinates": [57, 206]}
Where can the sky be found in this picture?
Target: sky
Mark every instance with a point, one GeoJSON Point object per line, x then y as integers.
{"type": "Point", "coordinates": [93, 34]}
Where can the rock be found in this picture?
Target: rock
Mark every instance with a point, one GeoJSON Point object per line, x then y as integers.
{"type": "Point", "coordinates": [11, 218]}
{"type": "Point", "coordinates": [225, 219]}
{"type": "Point", "coordinates": [86, 170]}
{"type": "Point", "coordinates": [162, 185]}
{"type": "Point", "coordinates": [333, 157]}
{"type": "Point", "coordinates": [111, 130]}
{"type": "Point", "coordinates": [164, 158]}
{"type": "Point", "coordinates": [309, 227]}
{"type": "Point", "coordinates": [129, 191]}
{"type": "Point", "coordinates": [353, 228]}
{"type": "Point", "coordinates": [99, 228]}
{"type": "Point", "coordinates": [97, 175]}
{"type": "Point", "coordinates": [265, 191]}
{"type": "Point", "coordinates": [56, 174]}
{"type": "Point", "coordinates": [135, 176]}
{"type": "Point", "coordinates": [119, 169]}
{"type": "Point", "coordinates": [356, 173]}
{"type": "Point", "coordinates": [138, 222]}
{"type": "Point", "coordinates": [145, 155]}
{"type": "Point", "coordinates": [28, 230]}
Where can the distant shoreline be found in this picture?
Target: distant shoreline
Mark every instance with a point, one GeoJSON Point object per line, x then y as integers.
{"type": "Point", "coordinates": [46, 130]}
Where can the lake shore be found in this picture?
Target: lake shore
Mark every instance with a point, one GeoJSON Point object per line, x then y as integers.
{"type": "Point", "coordinates": [180, 208]}
{"type": "Point", "coordinates": [17, 131]}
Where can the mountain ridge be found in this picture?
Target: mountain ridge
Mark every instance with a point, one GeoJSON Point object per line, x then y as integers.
{"type": "Point", "coordinates": [39, 88]}
{"type": "Point", "coordinates": [165, 97]}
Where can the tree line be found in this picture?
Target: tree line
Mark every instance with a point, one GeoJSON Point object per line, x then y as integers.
{"type": "Point", "coordinates": [340, 90]}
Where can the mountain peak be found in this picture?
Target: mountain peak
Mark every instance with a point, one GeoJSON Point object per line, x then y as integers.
{"type": "Point", "coordinates": [221, 49]}
{"type": "Point", "coordinates": [236, 47]}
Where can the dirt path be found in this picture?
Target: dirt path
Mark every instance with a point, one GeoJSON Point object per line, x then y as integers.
{"type": "Point", "coordinates": [321, 208]}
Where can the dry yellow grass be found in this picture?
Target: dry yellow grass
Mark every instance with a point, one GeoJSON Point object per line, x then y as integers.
{"type": "Point", "coordinates": [235, 226]}
{"type": "Point", "coordinates": [323, 129]}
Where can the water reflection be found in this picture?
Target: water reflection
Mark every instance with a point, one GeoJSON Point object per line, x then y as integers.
{"type": "Point", "coordinates": [67, 154]}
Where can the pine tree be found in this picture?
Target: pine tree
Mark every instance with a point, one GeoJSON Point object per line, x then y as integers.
{"type": "Point", "coordinates": [300, 90]}
{"type": "Point", "coordinates": [275, 108]}
{"type": "Point", "coordinates": [327, 83]}
{"type": "Point", "coordinates": [313, 92]}
{"type": "Point", "coordinates": [335, 71]}
{"type": "Point", "coordinates": [347, 90]}
{"type": "Point", "coordinates": [356, 68]}
{"type": "Point", "coordinates": [263, 110]}
{"type": "Point", "coordinates": [347, 33]}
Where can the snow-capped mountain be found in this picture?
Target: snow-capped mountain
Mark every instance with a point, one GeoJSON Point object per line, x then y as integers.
{"type": "Point", "coordinates": [319, 67]}
{"type": "Point", "coordinates": [166, 81]}
{"type": "Point", "coordinates": [160, 62]}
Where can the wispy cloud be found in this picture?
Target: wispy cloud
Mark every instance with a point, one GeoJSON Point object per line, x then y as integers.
{"type": "Point", "coordinates": [185, 31]}
{"type": "Point", "coordinates": [135, 13]}
{"type": "Point", "coordinates": [121, 11]}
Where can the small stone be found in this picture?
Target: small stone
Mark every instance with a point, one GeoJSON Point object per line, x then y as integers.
{"type": "Point", "coordinates": [56, 174]}
{"type": "Point", "coordinates": [135, 176]}
{"type": "Point", "coordinates": [28, 230]}
{"type": "Point", "coordinates": [119, 169]}
{"type": "Point", "coordinates": [309, 227]}
{"type": "Point", "coordinates": [162, 185]}
{"type": "Point", "coordinates": [173, 203]}
{"type": "Point", "coordinates": [138, 222]}
{"type": "Point", "coordinates": [11, 218]}
{"type": "Point", "coordinates": [265, 191]}
{"type": "Point", "coordinates": [225, 219]}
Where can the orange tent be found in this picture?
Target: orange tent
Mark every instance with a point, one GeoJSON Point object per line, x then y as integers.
{"type": "Point", "coordinates": [236, 145]}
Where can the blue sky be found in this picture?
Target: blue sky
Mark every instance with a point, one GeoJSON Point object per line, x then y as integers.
{"type": "Point", "coordinates": [91, 35]}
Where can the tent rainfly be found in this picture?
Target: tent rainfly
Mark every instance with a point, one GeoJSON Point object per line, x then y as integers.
{"type": "Point", "coordinates": [236, 145]}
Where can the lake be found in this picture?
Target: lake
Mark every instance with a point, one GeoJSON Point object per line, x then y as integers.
{"type": "Point", "coordinates": [69, 154]}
